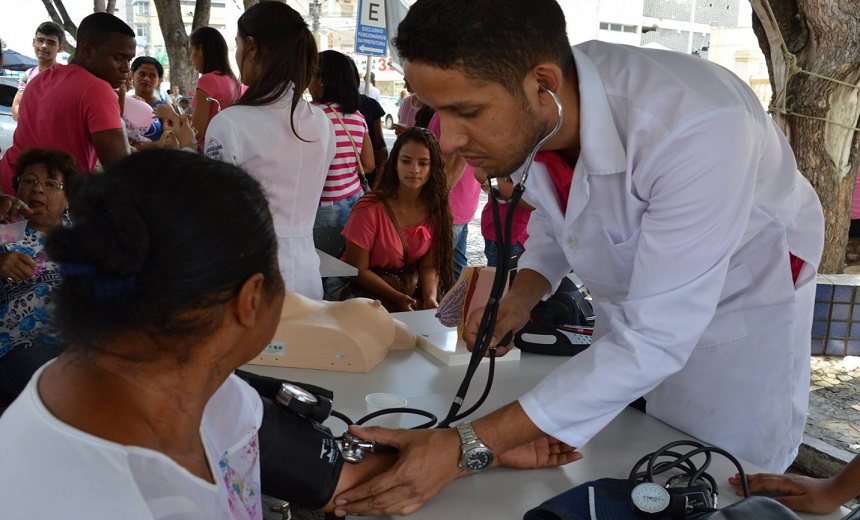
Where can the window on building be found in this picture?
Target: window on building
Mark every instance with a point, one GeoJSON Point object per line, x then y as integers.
{"type": "Point", "coordinates": [618, 27]}
{"type": "Point", "coordinates": [141, 7]}
{"type": "Point", "coordinates": [142, 31]}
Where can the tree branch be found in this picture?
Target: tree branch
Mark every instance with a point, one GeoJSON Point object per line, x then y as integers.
{"type": "Point", "coordinates": [202, 9]}
{"type": "Point", "coordinates": [62, 19]}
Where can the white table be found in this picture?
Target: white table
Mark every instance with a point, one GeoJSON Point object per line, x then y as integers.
{"type": "Point", "coordinates": [502, 493]}
{"type": "Point", "coordinates": [331, 266]}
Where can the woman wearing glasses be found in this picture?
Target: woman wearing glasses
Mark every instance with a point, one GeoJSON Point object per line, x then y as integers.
{"type": "Point", "coordinates": [27, 278]}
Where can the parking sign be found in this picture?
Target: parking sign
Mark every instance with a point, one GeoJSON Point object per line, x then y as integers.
{"type": "Point", "coordinates": [371, 35]}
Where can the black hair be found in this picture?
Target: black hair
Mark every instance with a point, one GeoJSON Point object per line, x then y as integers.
{"type": "Point", "coordinates": [52, 29]}
{"type": "Point", "coordinates": [490, 40]}
{"type": "Point", "coordinates": [434, 193]}
{"type": "Point", "coordinates": [54, 160]}
{"type": "Point", "coordinates": [339, 84]}
{"type": "Point", "coordinates": [159, 243]}
{"type": "Point", "coordinates": [97, 28]}
{"type": "Point", "coordinates": [147, 60]}
{"type": "Point", "coordinates": [424, 115]}
{"type": "Point", "coordinates": [288, 52]}
{"type": "Point", "coordinates": [215, 54]}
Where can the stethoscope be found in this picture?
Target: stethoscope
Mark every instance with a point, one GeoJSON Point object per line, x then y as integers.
{"type": "Point", "coordinates": [491, 311]}
{"type": "Point", "coordinates": [353, 447]}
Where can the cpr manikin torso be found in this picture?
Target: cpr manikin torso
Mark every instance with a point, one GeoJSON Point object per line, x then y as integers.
{"type": "Point", "coordinates": [349, 336]}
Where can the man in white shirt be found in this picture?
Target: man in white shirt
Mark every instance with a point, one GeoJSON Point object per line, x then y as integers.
{"type": "Point", "coordinates": [678, 202]}
{"type": "Point", "coordinates": [370, 91]}
{"type": "Point", "coordinates": [47, 43]}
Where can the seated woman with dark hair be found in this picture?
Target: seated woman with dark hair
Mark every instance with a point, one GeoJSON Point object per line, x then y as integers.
{"type": "Point", "coordinates": [27, 278]}
{"type": "Point", "coordinates": [162, 299]}
{"type": "Point", "coordinates": [399, 236]}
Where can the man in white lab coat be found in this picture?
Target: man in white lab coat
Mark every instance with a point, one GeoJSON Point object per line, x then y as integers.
{"type": "Point", "coordinates": [676, 200]}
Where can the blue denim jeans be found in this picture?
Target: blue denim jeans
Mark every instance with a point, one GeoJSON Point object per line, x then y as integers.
{"type": "Point", "coordinates": [460, 233]}
{"type": "Point", "coordinates": [491, 251]}
{"type": "Point", "coordinates": [337, 213]}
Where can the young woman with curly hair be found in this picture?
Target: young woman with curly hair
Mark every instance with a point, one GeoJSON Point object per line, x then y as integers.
{"type": "Point", "coordinates": [409, 208]}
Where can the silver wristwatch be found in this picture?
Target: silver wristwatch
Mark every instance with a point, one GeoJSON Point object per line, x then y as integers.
{"type": "Point", "coordinates": [476, 456]}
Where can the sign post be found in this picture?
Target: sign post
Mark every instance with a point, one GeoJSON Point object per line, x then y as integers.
{"type": "Point", "coordinates": [371, 35]}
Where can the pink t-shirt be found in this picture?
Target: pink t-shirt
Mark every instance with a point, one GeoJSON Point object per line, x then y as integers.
{"type": "Point", "coordinates": [27, 76]}
{"type": "Point", "coordinates": [855, 202]}
{"type": "Point", "coordinates": [518, 226]}
{"type": "Point", "coordinates": [219, 86]}
{"type": "Point", "coordinates": [342, 179]}
{"type": "Point", "coordinates": [406, 113]}
{"type": "Point", "coordinates": [64, 105]}
{"type": "Point", "coordinates": [370, 228]}
{"type": "Point", "coordinates": [466, 194]}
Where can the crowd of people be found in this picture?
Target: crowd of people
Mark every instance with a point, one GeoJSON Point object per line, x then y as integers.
{"type": "Point", "coordinates": [673, 195]}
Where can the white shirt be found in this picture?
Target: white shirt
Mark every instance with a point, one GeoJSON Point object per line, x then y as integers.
{"type": "Point", "coordinates": [291, 171]}
{"type": "Point", "coordinates": [684, 205]}
{"type": "Point", "coordinates": [52, 470]}
{"type": "Point", "coordinates": [373, 93]}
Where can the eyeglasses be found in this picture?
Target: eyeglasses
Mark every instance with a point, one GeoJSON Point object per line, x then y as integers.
{"type": "Point", "coordinates": [31, 182]}
{"type": "Point", "coordinates": [45, 41]}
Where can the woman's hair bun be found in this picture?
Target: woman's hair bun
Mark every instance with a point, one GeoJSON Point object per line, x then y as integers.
{"type": "Point", "coordinates": [108, 231]}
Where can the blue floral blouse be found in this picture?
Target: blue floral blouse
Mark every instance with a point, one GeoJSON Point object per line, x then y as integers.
{"type": "Point", "coordinates": [25, 307]}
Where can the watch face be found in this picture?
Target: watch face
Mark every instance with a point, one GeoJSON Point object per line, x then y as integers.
{"type": "Point", "coordinates": [650, 497]}
{"type": "Point", "coordinates": [478, 459]}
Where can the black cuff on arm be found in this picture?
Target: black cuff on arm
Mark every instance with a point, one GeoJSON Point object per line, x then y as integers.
{"type": "Point", "coordinates": [300, 461]}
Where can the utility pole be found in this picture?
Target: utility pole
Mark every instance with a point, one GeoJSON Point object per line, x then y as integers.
{"type": "Point", "coordinates": [314, 10]}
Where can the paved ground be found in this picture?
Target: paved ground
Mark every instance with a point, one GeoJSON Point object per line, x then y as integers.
{"type": "Point", "coordinates": [834, 402]}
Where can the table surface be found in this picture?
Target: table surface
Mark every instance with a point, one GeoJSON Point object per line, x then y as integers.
{"type": "Point", "coordinates": [331, 266]}
{"type": "Point", "coordinates": [428, 384]}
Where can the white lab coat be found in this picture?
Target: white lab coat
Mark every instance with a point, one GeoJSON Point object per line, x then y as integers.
{"type": "Point", "coordinates": [291, 171]}
{"type": "Point", "coordinates": [684, 205]}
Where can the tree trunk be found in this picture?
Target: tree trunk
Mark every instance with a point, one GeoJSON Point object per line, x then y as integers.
{"type": "Point", "coordinates": [249, 3]}
{"type": "Point", "coordinates": [60, 16]}
{"type": "Point", "coordinates": [176, 39]}
{"type": "Point", "coordinates": [202, 8]}
{"type": "Point", "coordinates": [99, 6]}
{"type": "Point", "coordinates": [825, 39]}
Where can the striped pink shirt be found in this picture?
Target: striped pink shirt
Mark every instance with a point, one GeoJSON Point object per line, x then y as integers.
{"type": "Point", "coordinates": [342, 180]}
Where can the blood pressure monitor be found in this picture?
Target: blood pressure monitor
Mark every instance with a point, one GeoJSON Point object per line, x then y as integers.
{"type": "Point", "coordinates": [302, 402]}
{"type": "Point", "coordinates": [653, 501]}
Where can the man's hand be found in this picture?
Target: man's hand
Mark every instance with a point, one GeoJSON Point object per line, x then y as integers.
{"type": "Point", "coordinates": [11, 209]}
{"type": "Point", "coordinates": [427, 463]}
{"type": "Point", "coordinates": [514, 313]}
{"type": "Point", "coordinates": [545, 452]}
{"type": "Point", "coordinates": [799, 493]}
{"type": "Point", "coordinates": [17, 266]}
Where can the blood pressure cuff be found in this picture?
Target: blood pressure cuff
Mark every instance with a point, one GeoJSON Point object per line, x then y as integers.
{"type": "Point", "coordinates": [609, 499]}
{"type": "Point", "coordinates": [300, 461]}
